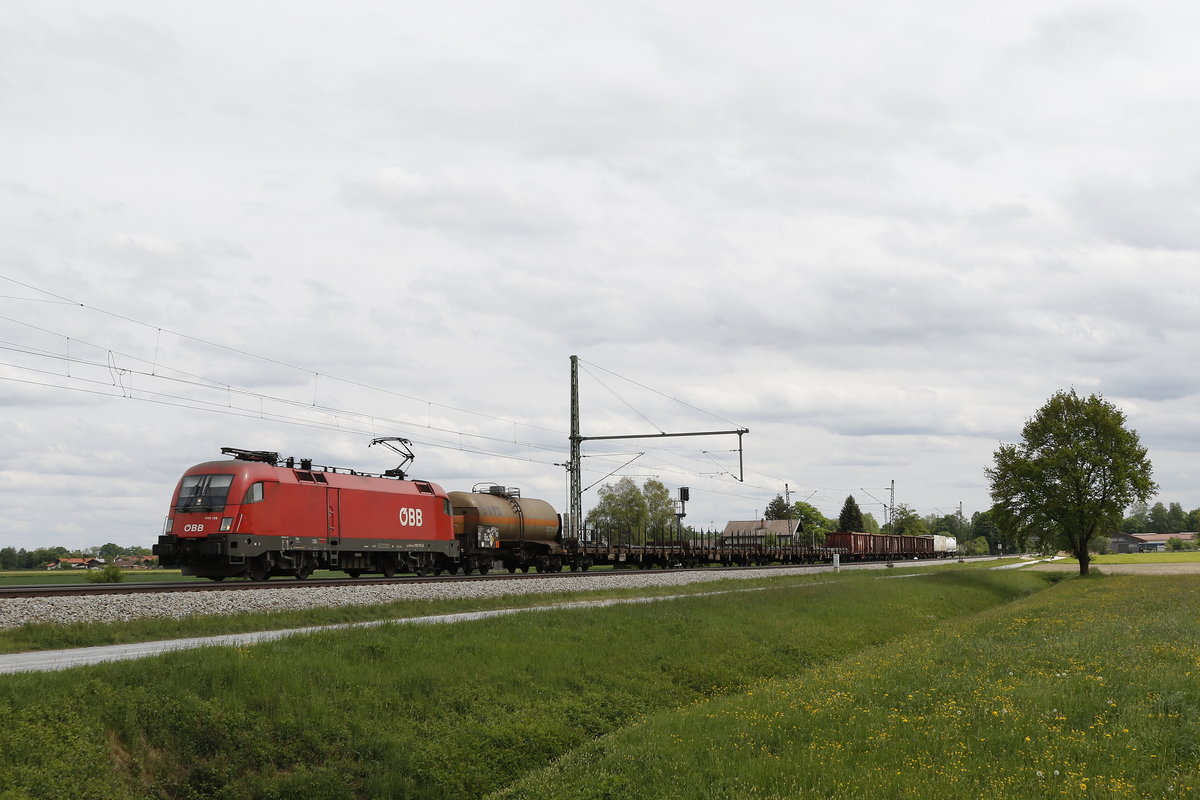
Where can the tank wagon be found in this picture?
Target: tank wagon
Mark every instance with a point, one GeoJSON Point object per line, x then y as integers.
{"type": "Point", "coordinates": [524, 532]}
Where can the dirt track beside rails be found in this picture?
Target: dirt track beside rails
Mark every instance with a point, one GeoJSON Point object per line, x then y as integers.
{"type": "Point", "coordinates": [1123, 569]}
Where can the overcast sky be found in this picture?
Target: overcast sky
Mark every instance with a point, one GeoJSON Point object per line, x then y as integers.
{"type": "Point", "coordinates": [880, 236]}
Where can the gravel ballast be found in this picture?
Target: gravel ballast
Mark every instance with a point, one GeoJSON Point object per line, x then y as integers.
{"type": "Point", "coordinates": [15, 612]}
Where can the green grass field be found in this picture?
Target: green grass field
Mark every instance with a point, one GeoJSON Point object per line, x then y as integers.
{"type": "Point", "coordinates": [956, 683]}
{"type": "Point", "coordinates": [1179, 557]}
{"type": "Point", "coordinates": [1089, 690]}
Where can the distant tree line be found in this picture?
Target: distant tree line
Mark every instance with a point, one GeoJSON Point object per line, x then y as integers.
{"type": "Point", "coordinates": [14, 558]}
{"type": "Point", "coordinates": [976, 536]}
{"type": "Point", "coordinates": [1159, 518]}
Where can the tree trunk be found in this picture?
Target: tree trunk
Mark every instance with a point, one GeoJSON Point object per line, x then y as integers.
{"type": "Point", "coordinates": [1084, 560]}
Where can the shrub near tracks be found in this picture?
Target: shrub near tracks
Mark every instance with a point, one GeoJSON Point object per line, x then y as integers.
{"type": "Point", "coordinates": [445, 711]}
{"type": "Point", "coordinates": [1089, 690]}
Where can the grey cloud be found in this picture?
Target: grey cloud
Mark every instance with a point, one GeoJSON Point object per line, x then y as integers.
{"type": "Point", "coordinates": [1141, 213]}
{"type": "Point", "coordinates": [457, 205]}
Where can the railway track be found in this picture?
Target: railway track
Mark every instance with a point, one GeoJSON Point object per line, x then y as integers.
{"type": "Point", "coordinates": [98, 589]}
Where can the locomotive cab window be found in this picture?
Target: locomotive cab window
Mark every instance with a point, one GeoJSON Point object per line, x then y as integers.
{"type": "Point", "coordinates": [254, 494]}
{"type": "Point", "coordinates": [203, 492]}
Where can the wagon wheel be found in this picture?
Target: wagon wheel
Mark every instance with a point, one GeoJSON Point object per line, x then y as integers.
{"type": "Point", "coordinates": [388, 569]}
{"type": "Point", "coordinates": [354, 573]}
{"type": "Point", "coordinates": [483, 568]}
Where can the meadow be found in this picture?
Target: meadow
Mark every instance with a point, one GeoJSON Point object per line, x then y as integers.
{"type": "Point", "coordinates": [1178, 557]}
{"type": "Point", "coordinates": [1089, 690]}
{"type": "Point", "coordinates": [444, 711]}
{"type": "Point", "coordinates": [952, 683]}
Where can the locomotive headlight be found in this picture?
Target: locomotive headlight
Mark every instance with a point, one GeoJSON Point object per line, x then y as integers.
{"type": "Point", "coordinates": [226, 524]}
{"type": "Point", "coordinates": [167, 525]}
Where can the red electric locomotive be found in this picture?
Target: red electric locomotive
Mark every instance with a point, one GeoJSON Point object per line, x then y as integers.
{"type": "Point", "coordinates": [259, 515]}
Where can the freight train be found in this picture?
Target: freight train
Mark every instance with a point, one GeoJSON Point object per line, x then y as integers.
{"type": "Point", "coordinates": [258, 515]}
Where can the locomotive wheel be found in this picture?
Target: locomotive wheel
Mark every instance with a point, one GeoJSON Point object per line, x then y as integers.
{"type": "Point", "coordinates": [524, 568]}
{"type": "Point", "coordinates": [216, 577]}
{"type": "Point", "coordinates": [257, 571]}
{"type": "Point", "coordinates": [388, 569]}
{"type": "Point", "coordinates": [484, 569]}
{"type": "Point", "coordinates": [511, 568]}
{"type": "Point", "coordinates": [466, 568]}
{"type": "Point", "coordinates": [304, 570]}
{"type": "Point", "coordinates": [354, 573]}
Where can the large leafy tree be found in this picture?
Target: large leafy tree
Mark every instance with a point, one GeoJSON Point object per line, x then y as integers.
{"type": "Point", "coordinates": [813, 522]}
{"type": "Point", "coordinates": [1159, 521]}
{"type": "Point", "coordinates": [1176, 518]}
{"type": "Point", "coordinates": [621, 510]}
{"type": "Point", "coordinates": [1077, 468]}
{"type": "Point", "coordinates": [851, 518]}
{"type": "Point", "coordinates": [983, 524]}
{"type": "Point", "coordinates": [1138, 519]}
{"type": "Point", "coordinates": [628, 512]}
{"type": "Point", "coordinates": [660, 506]}
{"type": "Point", "coordinates": [906, 522]}
{"type": "Point", "coordinates": [778, 509]}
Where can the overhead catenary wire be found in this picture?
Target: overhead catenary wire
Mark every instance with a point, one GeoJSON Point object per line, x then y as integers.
{"type": "Point", "coordinates": [134, 377]}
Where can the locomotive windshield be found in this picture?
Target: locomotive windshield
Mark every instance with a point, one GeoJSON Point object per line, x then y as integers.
{"type": "Point", "coordinates": [203, 492]}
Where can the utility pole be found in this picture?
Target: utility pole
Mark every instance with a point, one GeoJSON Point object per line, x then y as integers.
{"type": "Point", "coordinates": [787, 499]}
{"type": "Point", "coordinates": [575, 514]}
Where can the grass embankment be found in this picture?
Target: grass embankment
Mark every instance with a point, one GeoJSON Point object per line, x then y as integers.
{"type": "Point", "coordinates": [1178, 557]}
{"type": "Point", "coordinates": [38, 636]}
{"type": "Point", "coordinates": [445, 711]}
{"type": "Point", "coordinates": [45, 636]}
{"type": "Point", "coordinates": [1091, 690]}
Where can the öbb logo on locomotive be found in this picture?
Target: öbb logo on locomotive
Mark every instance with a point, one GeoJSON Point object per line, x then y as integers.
{"type": "Point", "coordinates": [410, 516]}
{"type": "Point", "coordinates": [274, 516]}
